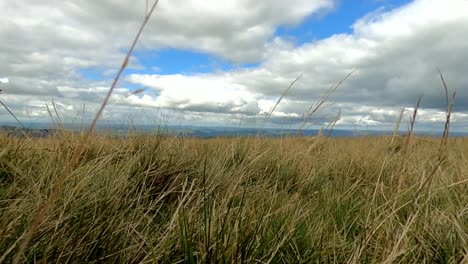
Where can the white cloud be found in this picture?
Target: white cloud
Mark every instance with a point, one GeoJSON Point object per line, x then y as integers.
{"type": "Point", "coordinates": [203, 93]}
{"type": "Point", "coordinates": [395, 52]}
{"type": "Point", "coordinates": [45, 44]}
{"type": "Point", "coordinates": [235, 30]}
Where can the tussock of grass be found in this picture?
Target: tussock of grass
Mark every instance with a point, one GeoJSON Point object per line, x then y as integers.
{"type": "Point", "coordinates": [169, 199]}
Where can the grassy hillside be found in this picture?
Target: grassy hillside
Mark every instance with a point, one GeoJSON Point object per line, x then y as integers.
{"type": "Point", "coordinates": [250, 200]}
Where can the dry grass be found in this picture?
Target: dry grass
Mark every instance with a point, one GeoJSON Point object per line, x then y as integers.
{"type": "Point", "coordinates": [167, 199]}
{"type": "Point", "coordinates": [43, 208]}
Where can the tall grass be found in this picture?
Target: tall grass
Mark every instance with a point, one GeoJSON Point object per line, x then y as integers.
{"type": "Point", "coordinates": [43, 208]}
{"type": "Point", "coordinates": [157, 198]}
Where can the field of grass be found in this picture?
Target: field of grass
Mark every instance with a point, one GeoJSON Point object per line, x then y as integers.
{"type": "Point", "coordinates": [160, 199]}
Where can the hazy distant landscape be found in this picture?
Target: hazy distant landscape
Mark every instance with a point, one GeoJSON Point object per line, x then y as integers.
{"type": "Point", "coordinates": [41, 130]}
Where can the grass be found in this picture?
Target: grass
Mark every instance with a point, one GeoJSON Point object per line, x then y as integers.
{"type": "Point", "coordinates": [166, 199]}
{"type": "Point", "coordinates": [43, 208]}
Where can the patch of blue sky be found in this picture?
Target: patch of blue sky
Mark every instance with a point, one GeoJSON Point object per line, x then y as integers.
{"type": "Point", "coordinates": [177, 61]}
{"type": "Point", "coordinates": [337, 21]}
{"type": "Point", "coordinates": [167, 62]}
{"type": "Point", "coordinates": [92, 74]}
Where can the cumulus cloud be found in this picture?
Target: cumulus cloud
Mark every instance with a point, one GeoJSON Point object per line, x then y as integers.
{"type": "Point", "coordinates": [236, 30]}
{"type": "Point", "coordinates": [202, 93]}
{"type": "Point", "coordinates": [396, 54]}
{"type": "Point", "coordinates": [53, 38]}
{"type": "Point", "coordinates": [46, 44]}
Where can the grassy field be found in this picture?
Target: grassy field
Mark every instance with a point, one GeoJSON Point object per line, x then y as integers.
{"type": "Point", "coordinates": [249, 200]}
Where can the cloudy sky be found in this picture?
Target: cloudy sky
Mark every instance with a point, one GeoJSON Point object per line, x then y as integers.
{"type": "Point", "coordinates": [226, 62]}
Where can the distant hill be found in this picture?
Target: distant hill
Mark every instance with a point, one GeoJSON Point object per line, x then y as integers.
{"type": "Point", "coordinates": [30, 132]}
{"type": "Point", "coordinates": [208, 132]}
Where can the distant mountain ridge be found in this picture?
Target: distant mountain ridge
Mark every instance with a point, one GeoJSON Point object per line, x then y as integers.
{"type": "Point", "coordinates": [30, 132]}
{"type": "Point", "coordinates": [208, 132]}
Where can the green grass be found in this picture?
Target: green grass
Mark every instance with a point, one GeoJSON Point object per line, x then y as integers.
{"type": "Point", "coordinates": [247, 200]}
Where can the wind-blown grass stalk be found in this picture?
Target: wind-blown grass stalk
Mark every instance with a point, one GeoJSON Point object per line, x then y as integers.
{"type": "Point", "coordinates": [312, 110]}
{"type": "Point", "coordinates": [59, 120]}
{"type": "Point", "coordinates": [43, 209]}
{"type": "Point", "coordinates": [406, 148]}
{"type": "Point", "coordinates": [52, 119]}
{"type": "Point", "coordinates": [16, 118]}
{"type": "Point", "coordinates": [11, 113]}
{"type": "Point", "coordinates": [268, 116]}
{"type": "Point", "coordinates": [445, 135]}
{"type": "Point", "coordinates": [379, 183]}
{"type": "Point", "coordinates": [448, 112]}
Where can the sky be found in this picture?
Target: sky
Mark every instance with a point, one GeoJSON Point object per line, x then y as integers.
{"type": "Point", "coordinates": [227, 62]}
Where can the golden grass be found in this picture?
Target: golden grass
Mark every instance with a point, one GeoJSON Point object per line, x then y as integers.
{"type": "Point", "coordinates": [43, 208]}
{"type": "Point", "coordinates": [166, 199]}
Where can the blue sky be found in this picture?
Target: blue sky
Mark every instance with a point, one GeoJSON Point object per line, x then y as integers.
{"type": "Point", "coordinates": [218, 62]}
{"type": "Point", "coordinates": [337, 21]}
